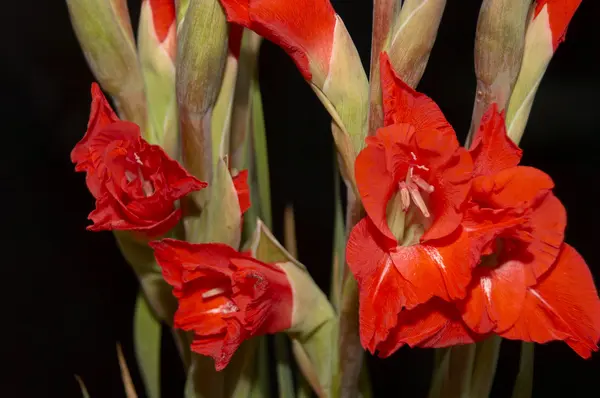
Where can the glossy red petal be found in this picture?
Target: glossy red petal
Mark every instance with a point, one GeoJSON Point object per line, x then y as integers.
{"type": "Point", "coordinates": [240, 182]}
{"type": "Point", "coordinates": [519, 186]}
{"type": "Point", "coordinates": [375, 183]}
{"type": "Point", "coordinates": [220, 347]}
{"type": "Point", "coordinates": [496, 299]}
{"type": "Point", "coordinates": [303, 28]}
{"type": "Point", "coordinates": [560, 13]}
{"type": "Point", "coordinates": [383, 291]}
{"type": "Point", "coordinates": [434, 324]}
{"type": "Point", "coordinates": [440, 268]}
{"type": "Point", "coordinates": [453, 183]}
{"type": "Point", "coordinates": [548, 222]}
{"type": "Point", "coordinates": [564, 305]}
{"type": "Point", "coordinates": [492, 150]}
{"type": "Point", "coordinates": [163, 17]}
{"type": "Point", "coordinates": [402, 104]}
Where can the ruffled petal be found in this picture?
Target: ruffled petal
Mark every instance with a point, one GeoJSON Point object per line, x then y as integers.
{"type": "Point", "coordinates": [440, 268]}
{"type": "Point", "coordinates": [304, 28]}
{"type": "Point", "coordinates": [492, 150]}
{"type": "Point", "coordinates": [383, 291]}
{"type": "Point", "coordinates": [375, 184]}
{"type": "Point", "coordinates": [434, 324]}
{"type": "Point", "coordinates": [496, 299]}
{"type": "Point", "coordinates": [519, 186]}
{"type": "Point", "coordinates": [402, 104]}
{"type": "Point", "coordinates": [564, 305]}
{"type": "Point", "coordinates": [548, 222]}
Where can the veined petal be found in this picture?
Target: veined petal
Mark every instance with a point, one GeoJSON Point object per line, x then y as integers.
{"type": "Point", "coordinates": [304, 28]}
{"type": "Point", "coordinates": [519, 186]}
{"type": "Point", "coordinates": [564, 305]}
{"type": "Point", "coordinates": [375, 183]}
{"type": "Point", "coordinates": [402, 104]}
{"type": "Point", "coordinates": [492, 150]}
{"type": "Point", "coordinates": [383, 290]}
{"type": "Point", "coordinates": [439, 268]}
{"type": "Point", "coordinates": [434, 324]}
{"type": "Point", "coordinates": [496, 298]}
{"type": "Point", "coordinates": [548, 222]}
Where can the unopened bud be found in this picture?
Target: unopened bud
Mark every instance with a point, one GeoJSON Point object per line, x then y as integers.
{"type": "Point", "coordinates": [104, 32]}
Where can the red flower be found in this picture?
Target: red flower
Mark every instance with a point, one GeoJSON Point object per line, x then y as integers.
{"type": "Point", "coordinates": [560, 13]}
{"type": "Point", "coordinates": [529, 285]}
{"type": "Point", "coordinates": [135, 184]}
{"type": "Point", "coordinates": [303, 28]}
{"type": "Point", "coordinates": [225, 297]}
{"type": "Point", "coordinates": [417, 158]}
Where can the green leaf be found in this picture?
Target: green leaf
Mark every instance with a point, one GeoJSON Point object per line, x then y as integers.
{"type": "Point", "coordinates": [261, 387]}
{"type": "Point", "coordinates": [339, 245]}
{"type": "Point", "coordinates": [484, 367]}
{"type": "Point", "coordinates": [261, 159]}
{"type": "Point", "coordinates": [146, 337]}
{"type": "Point", "coordinates": [524, 383]}
{"type": "Point", "coordinates": [203, 381]}
{"type": "Point", "coordinates": [285, 378]}
{"type": "Point", "coordinates": [125, 375]}
{"type": "Point", "coordinates": [457, 380]}
{"type": "Point", "coordinates": [440, 368]}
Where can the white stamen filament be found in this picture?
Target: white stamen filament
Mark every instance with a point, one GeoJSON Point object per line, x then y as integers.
{"type": "Point", "coordinates": [418, 199]}
{"type": "Point", "coordinates": [421, 183]}
{"type": "Point", "coordinates": [213, 292]}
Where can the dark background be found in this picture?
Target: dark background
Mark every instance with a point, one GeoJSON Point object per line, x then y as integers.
{"type": "Point", "coordinates": [67, 295]}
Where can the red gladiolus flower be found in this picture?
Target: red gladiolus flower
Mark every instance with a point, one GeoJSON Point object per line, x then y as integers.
{"type": "Point", "coordinates": [528, 285]}
{"type": "Point", "coordinates": [417, 158]}
{"type": "Point", "coordinates": [225, 297]}
{"type": "Point", "coordinates": [303, 28]}
{"type": "Point", "coordinates": [135, 184]}
{"type": "Point", "coordinates": [560, 13]}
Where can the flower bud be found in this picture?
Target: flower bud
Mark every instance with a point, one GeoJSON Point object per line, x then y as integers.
{"type": "Point", "coordinates": [104, 33]}
{"type": "Point", "coordinates": [201, 54]}
{"type": "Point", "coordinates": [498, 53]}
{"type": "Point", "coordinates": [544, 33]}
{"type": "Point", "coordinates": [157, 50]}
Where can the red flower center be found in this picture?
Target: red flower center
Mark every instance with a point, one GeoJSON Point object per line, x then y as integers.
{"type": "Point", "coordinates": [135, 170]}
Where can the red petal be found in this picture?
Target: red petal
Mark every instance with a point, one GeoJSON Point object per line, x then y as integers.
{"type": "Point", "coordinates": [163, 17]}
{"type": "Point", "coordinates": [439, 268]}
{"type": "Point", "coordinates": [221, 347]}
{"type": "Point", "coordinates": [496, 299]}
{"type": "Point", "coordinates": [434, 324]}
{"type": "Point", "coordinates": [240, 182]}
{"type": "Point", "coordinates": [402, 104]}
{"type": "Point", "coordinates": [375, 183]}
{"type": "Point", "coordinates": [492, 150]}
{"type": "Point", "coordinates": [383, 291]}
{"type": "Point", "coordinates": [510, 188]}
{"type": "Point", "coordinates": [564, 305]}
{"type": "Point", "coordinates": [548, 222]}
{"type": "Point", "coordinates": [303, 28]}
{"type": "Point", "coordinates": [452, 182]}
{"type": "Point", "coordinates": [101, 115]}
{"type": "Point", "coordinates": [560, 12]}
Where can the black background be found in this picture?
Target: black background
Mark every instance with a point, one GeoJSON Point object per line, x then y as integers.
{"type": "Point", "coordinates": [66, 294]}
